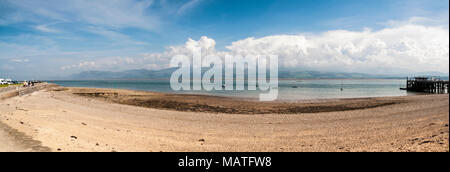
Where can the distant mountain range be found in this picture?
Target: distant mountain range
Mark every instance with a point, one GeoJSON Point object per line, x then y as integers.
{"type": "Point", "coordinates": [166, 73]}
{"type": "Point", "coordinates": [129, 74]}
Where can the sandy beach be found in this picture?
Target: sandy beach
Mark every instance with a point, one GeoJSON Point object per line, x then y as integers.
{"type": "Point", "coordinates": [86, 119]}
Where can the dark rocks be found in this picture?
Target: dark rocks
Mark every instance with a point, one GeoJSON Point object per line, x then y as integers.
{"type": "Point", "coordinates": [426, 141]}
{"type": "Point", "coordinates": [73, 137]}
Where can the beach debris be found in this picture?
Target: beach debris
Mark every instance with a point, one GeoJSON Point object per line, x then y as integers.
{"type": "Point", "coordinates": [83, 123]}
{"type": "Point", "coordinates": [432, 124]}
{"type": "Point", "coordinates": [446, 125]}
{"type": "Point", "coordinates": [415, 139]}
{"type": "Point", "coordinates": [96, 144]}
{"type": "Point", "coordinates": [21, 122]}
{"type": "Point", "coordinates": [59, 149]}
{"type": "Point", "coordinates": [17, 108]}
{"type": "Point", "coordinates": [426, 141]}
{"type": "Point", "coordinates": [201, 140]}
{"type": "Point", "coordinates": [73, 137]}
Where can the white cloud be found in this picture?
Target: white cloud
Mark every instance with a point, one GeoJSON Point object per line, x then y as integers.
{"type": "Point", "coordinates": [424, 21]}
{"type": "Point", "coordinates": [398, 49]}
{"type": "Point", "coordinates": [188, 5]}
{"type": "Point", "coordinates": [403, 48]}
{"type": "Point", "coordinates": [151, 61]}
{"type": "Point", "coordinates": [108, 13]}
{"type": "Point", "coordinates": [113, 35]}
{"type": "Point", "coordinates": [45, 28]}
{"type": "Point", "coordinates": [82, 65]}
{"type": "Point", "coordinates": [18, 60]}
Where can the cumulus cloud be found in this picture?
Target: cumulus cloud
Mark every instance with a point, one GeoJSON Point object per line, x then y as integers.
{"type": "Point", "coordinates": [150, 61]}
{"type": "Point", "coordinates": [82, 65]}
{"type": "Point", "coordinates": [398, 49]}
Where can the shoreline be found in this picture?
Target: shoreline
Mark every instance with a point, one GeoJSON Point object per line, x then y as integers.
{"type": "Point", "coordinates": [105, 120]}
{"type": "Point", "coordinates": [289, 91]}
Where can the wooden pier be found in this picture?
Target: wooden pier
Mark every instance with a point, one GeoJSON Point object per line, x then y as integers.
{"type": "Point", "coordinates": [427, 85]}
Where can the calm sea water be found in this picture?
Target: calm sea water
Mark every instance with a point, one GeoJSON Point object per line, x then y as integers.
{"type": "Point", "coordinates": [289, 90]}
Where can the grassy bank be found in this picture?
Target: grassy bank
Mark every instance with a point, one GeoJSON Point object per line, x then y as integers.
{"type": "Point", "coordinates": [10, 85]}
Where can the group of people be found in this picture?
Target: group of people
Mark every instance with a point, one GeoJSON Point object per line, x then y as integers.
{"type": "Point", "coordinates": [28, 84]}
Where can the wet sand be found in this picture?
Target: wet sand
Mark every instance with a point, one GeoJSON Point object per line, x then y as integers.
{"type": "Point", "coordinates": [11, 140]}
{"type": "Point", "coordinates": [80, 119]}
{"type": "Point", "coordinates": [215, 104]}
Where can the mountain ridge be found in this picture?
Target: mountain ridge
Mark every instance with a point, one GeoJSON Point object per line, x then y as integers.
{"type": "Point", "coordinates": [284, 74]}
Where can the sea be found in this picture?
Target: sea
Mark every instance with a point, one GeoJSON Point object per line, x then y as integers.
{"type": "Point", "coordinates": [288, 89]}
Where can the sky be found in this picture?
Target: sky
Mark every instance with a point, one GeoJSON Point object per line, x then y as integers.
{"type": "Point", "coordinates": [44, 39]}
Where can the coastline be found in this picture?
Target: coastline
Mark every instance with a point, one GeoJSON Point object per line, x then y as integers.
{"type": "Point", "coordinates": [88, 119]}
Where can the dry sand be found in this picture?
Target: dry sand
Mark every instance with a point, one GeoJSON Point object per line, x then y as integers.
{"type": "Point", "coordinates": [76, 119]}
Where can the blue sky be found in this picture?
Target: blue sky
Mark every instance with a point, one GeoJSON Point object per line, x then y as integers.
{"type": "Point", "coordinates": [48, 35]}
